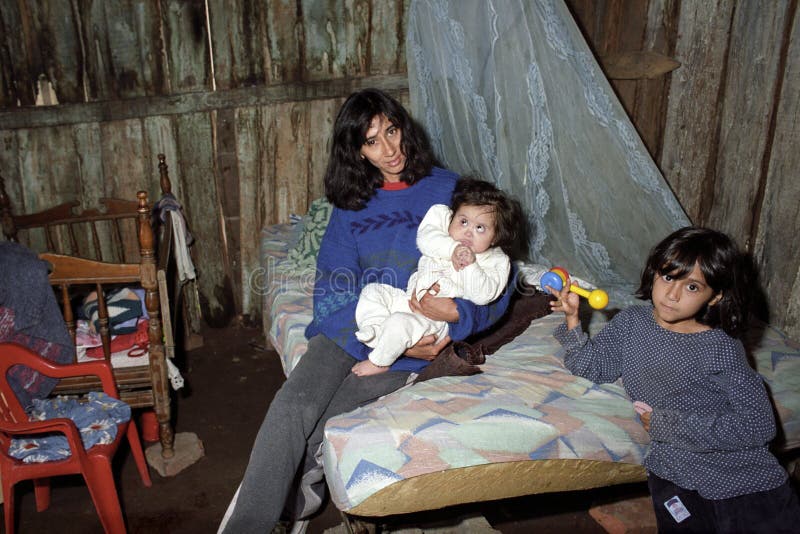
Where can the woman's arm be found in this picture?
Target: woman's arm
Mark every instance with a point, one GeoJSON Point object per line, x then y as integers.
{"type": "Point", "coordinates": [464, 317]}
{"type": "Point", "coordinates": [745, 420]}
{"type": "Point", "coordinates": [338, 276]}
{"type": "Point", "coordinates": [474, 318]}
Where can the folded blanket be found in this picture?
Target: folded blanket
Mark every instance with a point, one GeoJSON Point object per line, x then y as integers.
{"type": "Point", "coordinates": [124, 308]}
{"type": "Point", "coordinates": [30, 316]}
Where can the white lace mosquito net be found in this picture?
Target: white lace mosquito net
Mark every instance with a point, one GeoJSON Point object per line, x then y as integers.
{"type": "Point", "coordinates": [509, 90]}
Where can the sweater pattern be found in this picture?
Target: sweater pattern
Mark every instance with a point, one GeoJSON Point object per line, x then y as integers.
{"type": "Point", "coordinates": [388, 220]}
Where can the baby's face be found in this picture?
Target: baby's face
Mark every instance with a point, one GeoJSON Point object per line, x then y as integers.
{"type": "Point", "coordinates": [473, 226]}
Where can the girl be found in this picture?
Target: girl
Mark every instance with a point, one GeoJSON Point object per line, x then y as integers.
{"type": "Point", "coordinates": [465, 254]}
{"type": "Point", "coordinates": [381, 181]}
{"type": "Point", "coordinates": [707, 412]}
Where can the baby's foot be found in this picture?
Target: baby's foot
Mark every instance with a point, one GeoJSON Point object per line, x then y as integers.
{"type": "Point", "coordinates": [366, 368]}
{"type": "Point", "coordinates": [366, 333]}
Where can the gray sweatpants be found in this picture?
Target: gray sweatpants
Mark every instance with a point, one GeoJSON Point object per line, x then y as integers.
{"type": "Point", "coordinates": [321, 386]}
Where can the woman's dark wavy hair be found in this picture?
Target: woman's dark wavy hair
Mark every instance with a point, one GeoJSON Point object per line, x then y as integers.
{"type": "Point", "coordinates": [508, 216]}
{"type": "Point", "coordinates": [351, 180]}
{"type": "Point", "coordinates": [722, 266]}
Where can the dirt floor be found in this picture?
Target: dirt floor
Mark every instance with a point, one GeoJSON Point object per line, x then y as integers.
{"type": "Point", "coordinates": [229, 384]}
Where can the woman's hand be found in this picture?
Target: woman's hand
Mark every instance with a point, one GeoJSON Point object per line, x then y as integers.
{"type": "Point", "coordinates": [432, 307]}
{"type": "Point", "coordinates": [427, 348]}
{"type": "Point", "coordinates": [567, 302]}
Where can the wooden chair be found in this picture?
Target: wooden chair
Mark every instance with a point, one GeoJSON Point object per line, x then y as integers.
{"type": "Point", "coordinates": [91, 250]}
{"type": "Point", "coordinates": [94, 463]}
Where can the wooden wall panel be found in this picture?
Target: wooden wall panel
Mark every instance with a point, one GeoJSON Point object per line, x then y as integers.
{"type": "Point", "coordinates": [335, 38]}
{"type": "Point", "coordinates": [388, 37]}
{"type": "Point", "coordinates": [228, 186]}
{"type": "Point", "coordinates": [692, 114]}
{"type": "Point", "coordinates": [19, 58]}
{"type": "Point", "coordinates": [238, 35]}
{"type": "Point", "coordinates": [291, 158]}
{"type": "Point", "coordinates": [123, 160]}
{"type": "Point", "coordinates": [322, 115]}
{"type": "Point", "coordinates": [649, 104]}
{"type": "Point", "coordinates": [254, 201]}
{"type": "Point", "coordinates": [284, 42]}
{"type": "Point", "coordinates": [186, 44]}
{"type": "Point", "coordinates": [57, 31]}
{"type": "Point", "coordinates": [121, 37]}
{"type": "Point", "coordinates": [777, 247]}
{"type": "Point", "coordinates": [747, 105]}
{"type": "Point", "coordinates": [88, 149]}
{"type": "Point", "coordinates": [201, 206]}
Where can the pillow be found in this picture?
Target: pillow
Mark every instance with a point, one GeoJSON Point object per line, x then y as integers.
{"type": "Point", "coordinates": [303, 255]}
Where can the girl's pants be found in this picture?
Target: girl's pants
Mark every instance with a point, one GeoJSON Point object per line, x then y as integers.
{"type": "Point", "coordinates": [387, 324]}
{"type": "Point", "coordinates": [771, 511]}
{"type": "Point", "coordinates": [321, 386]}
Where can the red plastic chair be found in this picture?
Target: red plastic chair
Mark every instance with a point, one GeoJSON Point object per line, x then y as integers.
{"type": "Point", "coordinates": [94, 464]}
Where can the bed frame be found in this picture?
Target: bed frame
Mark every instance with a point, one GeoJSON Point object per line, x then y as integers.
{"type": "Point", "coordinates": [95, 248]}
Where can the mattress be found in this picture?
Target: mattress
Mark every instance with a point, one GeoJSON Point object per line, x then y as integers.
{"type": "Point", "coordinates": [524, 425]}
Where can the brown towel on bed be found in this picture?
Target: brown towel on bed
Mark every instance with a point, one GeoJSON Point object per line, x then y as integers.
{"type": "Point", "coordinates": [457, 359]}
{"type": "Point", "coordinates": [462, 358]}
{"type": "Point", "coordinates": [527, 304]}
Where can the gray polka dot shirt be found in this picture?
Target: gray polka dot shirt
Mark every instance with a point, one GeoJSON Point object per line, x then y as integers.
{"type": "Point", "coordinates": [712, 419]}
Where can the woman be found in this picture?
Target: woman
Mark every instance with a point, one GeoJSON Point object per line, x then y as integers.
{"type": "Point", "coordinates": [381, 181]}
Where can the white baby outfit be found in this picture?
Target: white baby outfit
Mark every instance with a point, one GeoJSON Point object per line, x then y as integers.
{"type": "Point", "coordinates": [385, 320]}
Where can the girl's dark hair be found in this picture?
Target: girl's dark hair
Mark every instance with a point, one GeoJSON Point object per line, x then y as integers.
{"type": "Point", "coordinates": [508, 216]}
{"type": "Point", "coordinates": [351, 180]}
{"type": "Point", "coordinates": [722, 266]}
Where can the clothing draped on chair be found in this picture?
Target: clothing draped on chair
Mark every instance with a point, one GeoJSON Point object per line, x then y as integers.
{"type": "Point", "coordinates": [509, 89]}
{"type": "Point", "coordinates": [29, 315]}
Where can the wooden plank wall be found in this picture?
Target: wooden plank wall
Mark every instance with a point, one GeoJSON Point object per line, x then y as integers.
{"type": "Point", "coordinates": [723, 127]}
{"type": "Point", "coordinates": [242, 98]}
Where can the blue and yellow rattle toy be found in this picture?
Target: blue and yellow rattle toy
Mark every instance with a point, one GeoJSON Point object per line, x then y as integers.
{"type": "Point", "coordinates": [557, 277]}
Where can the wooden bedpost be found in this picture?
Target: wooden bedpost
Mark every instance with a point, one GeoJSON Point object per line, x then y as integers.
{"type": "Point", "coordinates": [158, 364]}
{"type": "Point", "coordinates": [166, 185]}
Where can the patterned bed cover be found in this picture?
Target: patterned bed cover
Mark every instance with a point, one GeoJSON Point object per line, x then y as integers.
{"type": "Point", "coordinates": [525, 425]}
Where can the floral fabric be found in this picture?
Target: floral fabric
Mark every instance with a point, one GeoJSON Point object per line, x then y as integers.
{"type": "Point", "coordinates": [97, 420]}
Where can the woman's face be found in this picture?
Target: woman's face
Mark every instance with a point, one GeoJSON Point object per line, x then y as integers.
{"type": "Point", "coordinates": [382, 148]}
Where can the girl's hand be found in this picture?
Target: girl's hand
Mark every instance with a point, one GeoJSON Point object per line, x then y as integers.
{"type": "Point", "coordinates": [645, 411]}
{"type": "Point", "coordinates": [427, 348]}
{"type": "Point", "coordinates": [462, 256]}
{"type": "Point", "coordinates": [567, 302]}
{"type": "Point", "coordinates": [438, 309]}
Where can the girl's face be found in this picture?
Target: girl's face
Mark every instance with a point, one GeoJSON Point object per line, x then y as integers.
{"type": "Point", "coordinates": [473, 226]}
{"type": "Point", "coordinates": [382, 148]}
{"type": "Point", "coordinates": [676, 301]}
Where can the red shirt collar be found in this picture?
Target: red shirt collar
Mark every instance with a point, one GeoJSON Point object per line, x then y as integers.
{"type": "Point", "coordinates": [394, 186]}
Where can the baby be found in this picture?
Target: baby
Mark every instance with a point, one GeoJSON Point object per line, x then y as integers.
{"type": "Point", "coordinates": [463, 254]}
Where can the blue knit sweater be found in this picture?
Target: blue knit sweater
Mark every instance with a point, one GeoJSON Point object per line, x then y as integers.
{"type": "Point", "coordinates": [377, 244]}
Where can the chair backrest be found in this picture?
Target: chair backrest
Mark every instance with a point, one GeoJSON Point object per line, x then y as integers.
{"type": "Point", "coordinates": [11, 411]}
